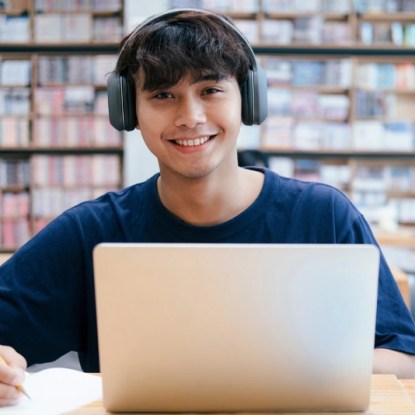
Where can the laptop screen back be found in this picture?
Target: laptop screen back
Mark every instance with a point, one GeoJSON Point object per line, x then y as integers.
{"type": "Point", "coordinates": [244, 327]}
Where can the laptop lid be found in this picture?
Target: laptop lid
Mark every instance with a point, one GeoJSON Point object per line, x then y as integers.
{"type": "Point", "coordinates": [236, 327]}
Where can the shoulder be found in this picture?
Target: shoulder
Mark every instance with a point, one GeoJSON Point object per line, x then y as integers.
{"type": "Point", "coordinates": [313, 211]}
{"type": "Point", "coordinates": [109, 217]}
{"type": "Point", "coordinates": [114, 204]}
{"type": "Point", "coordinates": [315, 194]}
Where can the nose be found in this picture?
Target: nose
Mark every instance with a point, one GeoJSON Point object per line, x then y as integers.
{"type": "Point", "coordinates": [190, 112]}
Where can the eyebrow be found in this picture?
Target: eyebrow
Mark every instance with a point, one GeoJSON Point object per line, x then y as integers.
{"type": "Point", "coordinates": [202, 77]}
{"type": "Point", "coordinates": [211, 76]}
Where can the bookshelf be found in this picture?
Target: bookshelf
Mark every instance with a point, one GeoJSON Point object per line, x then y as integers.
{"type": "Point", "coordinates": [341, 97]}
{"type": "Point", "coordinates": [57, 147]}
{"type": "Point", "coordinates": [341, 127]}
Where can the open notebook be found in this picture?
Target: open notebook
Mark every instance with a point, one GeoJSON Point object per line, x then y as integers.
{"type": "Point", "coordinates": [196, 327]}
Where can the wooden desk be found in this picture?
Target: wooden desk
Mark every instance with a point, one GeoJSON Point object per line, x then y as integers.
{"type": "Point", "coordinates": [389, 396]}
{"type": "Point", "coordinates": [409, 386]}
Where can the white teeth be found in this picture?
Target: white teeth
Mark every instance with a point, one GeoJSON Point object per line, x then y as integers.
{"type": "Point", "coordinates": [191, 143]}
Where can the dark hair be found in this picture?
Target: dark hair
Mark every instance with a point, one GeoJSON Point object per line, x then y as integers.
{"type": "Point", "coordinates": [191, 43]}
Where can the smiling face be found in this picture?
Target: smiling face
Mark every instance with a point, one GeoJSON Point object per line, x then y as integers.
{"type": "Point", "coordinates": [192, 126]}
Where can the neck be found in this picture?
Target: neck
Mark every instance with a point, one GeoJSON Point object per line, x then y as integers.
{"type": "Point", "coordinates": [204, 202]}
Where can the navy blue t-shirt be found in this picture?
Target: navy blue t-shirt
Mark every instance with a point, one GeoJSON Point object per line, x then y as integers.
{"type": "Point", "coordinates": [47, 304]}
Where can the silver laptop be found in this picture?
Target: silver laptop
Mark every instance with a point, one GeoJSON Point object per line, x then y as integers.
{"type": "Point", "coordinates": [236, 327]}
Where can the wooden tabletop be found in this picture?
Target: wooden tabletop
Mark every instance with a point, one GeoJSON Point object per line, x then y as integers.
{"type": "Point", "coordinates": [389, 396]}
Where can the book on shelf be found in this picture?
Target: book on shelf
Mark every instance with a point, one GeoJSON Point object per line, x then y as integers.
{"type": "Point", "coordinates": [14, 205]}
{"type": "Point", "coordinates": [317, 136]}
{"type": "Point", "coordinates": [397, 33]}
{"type": "Point", "coordinates": [58, 70]}
{"type": "Point", "coordinates": [333, 73]}
{"type": "Point", "coordinates": [409, 34]}
{"type": "Point", "coordinates": [107, 29]}
{"type": "Point", "coordinates": [15, 232]}
{"type": "Point", "coordinates": [14, 172]}
{"type": "Point", "coordinates": [78, 99]}
{"type": "Point", "coordinates": [249, 28]}
{"type": "Point", "coordinates": [284, 166]}
{"type": "Point", "coordinates": [14, 101]}
{"type": "Point", "coordinates": [308, 170]}
{"type": "Point", "coordinates": [106, 5]}
{"type": "Point", "coordinates": [383, 136]}
{"type": "Point", "coordinates": [336, 33]}
{"type": "Point", "coordinates": [367, 135]}
{"type": "Point", "coordinates": [400, 177]}
{"type": "Point", "coordinates": [15, 72]}
{"type": "Point", "coordinates": [337, 136]}
{"type": "Point", "coordinates": [338, 176]}
{"type": "Point", "coordinates": [277, 31]}
{"type": "Point", "coordinates": [76, 131]}
{"type": "Point", "coordinates": [406, 210]}
{"type": "Point", "coordinates": [304, 104]}
{"type": "Point", "coordinates": [308, 136]}
{"type": "Point", "coordinates": [64, 100]}
{"type": "Point", "coordinates": [243, 6]}
{"type": "Point", "coordinates": [14, 29]}
{"type": "Point", "coordinates": [74, 69]}
{"type": "Point", "coordinates": [398, 136]}
{"type": "Point", "coordinates": [294, 6]}
{"type": "Point", "coordinates": [370, 6]}
{"type": "Point", "coordinates": [102, 66]}
{"type": "Point", "coordinates": [311, 104]}
{"type": "Point", "coordinates": [14, 132]}
{"type": "Point", "coordinates": [56, 27]}
{"type": "Point", "coordinates": [279, 71]}
{"type": "Point", "coordinates": [178, 4]}
{"type": "Point", "coordinates": [333, 106]}
{"type": "Point", "coordinates": [47, 28]}
{"type": "Point", "coordinates": [277, 132]}
{"type": "Point", "coordinates": [308, 29]}
{"type": "Point", "coordinates": [338, 6]}
{"type": "Point", "coordinates": [338, 73]}
{"type": "Point", "coordinates": [77, 6]}
{"type": "Point", "coordinates": [76, 170]}
{"type": "Point", "coordinates": [375, 104]}
{"type": "Point", "coordinates": [379, 6]}
{"type": "Point", "coordinates": [280, 101]}
{"type": "Point", "coordinates": [49, 202]}
{"type": "Point", "coordinates": [219, 6]}
{"type": "Point", "coordinates": [305, 73]}
{"type": "Point", "coordinates": [404, 76]}
{"type": "Point", "coordinates": [382, 32]}
{"type": "Point", "coordinates": [334, 175]}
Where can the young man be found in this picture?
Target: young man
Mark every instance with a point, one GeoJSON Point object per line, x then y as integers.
{"type": "Point", "coordinates": [187, 70]}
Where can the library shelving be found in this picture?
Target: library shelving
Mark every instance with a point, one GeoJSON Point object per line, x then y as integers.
{"type": "Point", "coordinates": [57, 147]}
{"type": "Point", "coordinates": [341, 93]}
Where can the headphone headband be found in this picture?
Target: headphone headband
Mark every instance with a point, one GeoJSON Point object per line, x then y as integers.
{"type": "Point", "coordinates": [172, 12]}
{"type": "Point", "coordinates": [122, 95]}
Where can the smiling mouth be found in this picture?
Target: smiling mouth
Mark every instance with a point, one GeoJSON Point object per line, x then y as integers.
{"type": "Point", "coordinates": [193, 142]}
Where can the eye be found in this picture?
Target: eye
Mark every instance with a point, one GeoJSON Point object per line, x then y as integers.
{"type": "Point", "coordinates": [210, 91]}
{"type": "Point", "coordinates": [163, 95]}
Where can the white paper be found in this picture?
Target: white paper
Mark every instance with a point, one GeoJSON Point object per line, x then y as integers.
{"type": "Point", "coordinates": [55, 391]}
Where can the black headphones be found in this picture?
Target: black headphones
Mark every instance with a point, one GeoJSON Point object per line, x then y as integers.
{"type": "Point", "coordinates": [121, 94]}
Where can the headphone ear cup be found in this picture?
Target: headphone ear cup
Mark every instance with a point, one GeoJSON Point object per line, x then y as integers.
{"type": "Point", "coordinates": [254, 93]}
{"type": "Point", "coordinates": [247, 101]}
{"type": "Point", "coordinates": [121, 102]}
